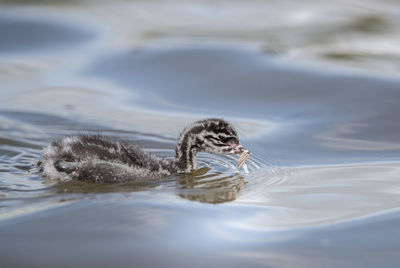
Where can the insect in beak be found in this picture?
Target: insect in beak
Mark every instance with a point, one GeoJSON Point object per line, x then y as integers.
{"type": "Point", "coordinates": [243, 158]}
{"type": "Point", "coordinates": [237, 148]}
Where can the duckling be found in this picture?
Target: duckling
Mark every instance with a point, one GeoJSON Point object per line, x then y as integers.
{"type": "Point", "coordinates": [104, 159]}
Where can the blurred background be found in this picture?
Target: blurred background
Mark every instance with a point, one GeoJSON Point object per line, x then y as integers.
{"type": "Point", "coordinates": [361, 35]}
{"type": "Point", "coordinates": [311, 86]}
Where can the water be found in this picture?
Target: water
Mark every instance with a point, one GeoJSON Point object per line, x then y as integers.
{"type": "Point", "coordinates": [311, 87]}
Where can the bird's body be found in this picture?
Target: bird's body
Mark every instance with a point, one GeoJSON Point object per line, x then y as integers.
{"type": "Point", "coordinates": [99, 158]}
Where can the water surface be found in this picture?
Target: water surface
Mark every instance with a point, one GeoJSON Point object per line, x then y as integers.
{"type": "Point", "coordinates": [321, 188]}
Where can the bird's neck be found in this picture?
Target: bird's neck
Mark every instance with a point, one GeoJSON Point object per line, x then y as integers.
{"type": "Point", "coordinates": [186, 152]}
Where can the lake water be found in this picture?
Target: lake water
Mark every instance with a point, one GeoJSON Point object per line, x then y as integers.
{"type": "Point", "coordinates": [312, 88]}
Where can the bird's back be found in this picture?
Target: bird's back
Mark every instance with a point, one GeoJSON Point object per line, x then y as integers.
{"type": "Point", "coordinates": [99, 158]}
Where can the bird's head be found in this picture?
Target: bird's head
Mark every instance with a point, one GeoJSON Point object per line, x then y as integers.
{"type": "Point", "coordinates": [217, 136]}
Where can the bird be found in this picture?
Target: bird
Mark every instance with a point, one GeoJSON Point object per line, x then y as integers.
{"type": "Point", "coordinates": [105, 159]}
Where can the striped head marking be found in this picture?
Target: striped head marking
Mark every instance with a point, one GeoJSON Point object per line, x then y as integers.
{"type": "Point", "coordinates": [218, 137]}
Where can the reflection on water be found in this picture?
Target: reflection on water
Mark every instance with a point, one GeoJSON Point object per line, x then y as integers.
{"type": "Point", "coordinates": [205, 186]}
{"type": "Point", "coordinates": [321, 188]}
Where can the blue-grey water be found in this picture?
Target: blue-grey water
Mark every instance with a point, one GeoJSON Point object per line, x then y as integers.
{"type": "Point", "coordinates": [313, 89]}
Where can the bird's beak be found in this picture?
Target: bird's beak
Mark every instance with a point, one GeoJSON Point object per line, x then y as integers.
{"type": "Point", "coordinates": [238, 148]}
